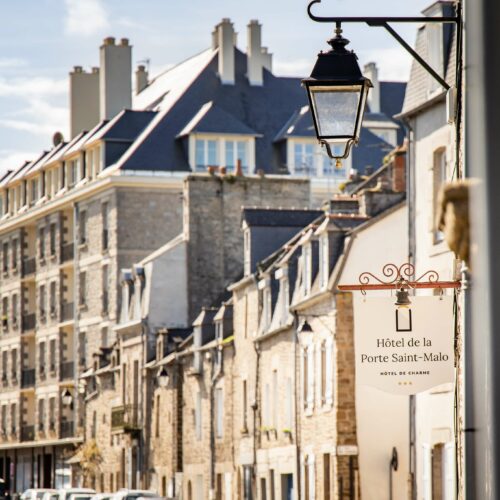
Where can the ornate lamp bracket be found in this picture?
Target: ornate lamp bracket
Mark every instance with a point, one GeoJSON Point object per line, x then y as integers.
{"type": "Point", "coordinates": [403, 276]}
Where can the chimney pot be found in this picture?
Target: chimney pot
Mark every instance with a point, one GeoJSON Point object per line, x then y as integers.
{"type": "Point", "coordinates": [124, 42]}
{"type": "Point", "coordinates": [77, 69]}
{"type": "Point", "coordinates": [95, 69]}
{"type": "Point", "coordinates": [110, 40]}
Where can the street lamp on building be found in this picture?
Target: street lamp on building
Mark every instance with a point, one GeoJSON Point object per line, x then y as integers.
{"type": "Point", "coordinates": [162, 377]}
{"type": "Point", "coordinates": [67, 398]}
{"type": "Point", "coordinates": [337, 94]}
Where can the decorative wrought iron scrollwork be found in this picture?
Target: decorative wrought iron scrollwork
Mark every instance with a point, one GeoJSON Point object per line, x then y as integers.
{"type": "Point", "coordinates": [402, 275]}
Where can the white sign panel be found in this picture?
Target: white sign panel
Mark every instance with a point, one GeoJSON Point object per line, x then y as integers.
{"type": "Point", "coordinates": [404, 350]}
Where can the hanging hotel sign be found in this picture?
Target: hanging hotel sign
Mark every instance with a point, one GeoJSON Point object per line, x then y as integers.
{"type": "Point", "coordinates": [404, 350]}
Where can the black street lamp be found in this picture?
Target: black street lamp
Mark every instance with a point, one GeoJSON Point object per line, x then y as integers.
{"type": "Point", "coordinates": [163, 377]}
{"type": "Point", "coordinates": [337, 94]}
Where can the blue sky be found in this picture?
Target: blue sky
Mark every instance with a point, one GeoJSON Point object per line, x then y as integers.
{"type": "Point", "coordinates": [41, 40]}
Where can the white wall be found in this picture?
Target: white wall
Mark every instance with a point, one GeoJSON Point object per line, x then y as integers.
{"type": "Point", "coordinates": [382, 419]}
{"type": "Point", "coordinates": [434, 408]}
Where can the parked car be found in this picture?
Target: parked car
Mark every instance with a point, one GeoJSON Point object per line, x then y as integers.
{"type": "Point", "coordinates": [102, 496]}
{"type": "Point", "coordinates": [125, 494]}
{"type": "Point", "coordinates": [36, 493]}
{"type": "Point", "coordinates": [68, 494]}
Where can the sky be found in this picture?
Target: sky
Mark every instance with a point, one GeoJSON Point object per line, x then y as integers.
{"type": "Point", "coordinates": [41, 40]}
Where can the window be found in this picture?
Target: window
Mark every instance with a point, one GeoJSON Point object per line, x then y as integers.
{"type": "Point", "coordinates": [5, 257]}
{"type": "Point", "coordinates": [323, 373]}
{"type": "Point", "coordinates": [105, 234]}
{"type": "Point", "coordinates": [104, 336]}
{"type": "Point", "coordinates": [41, 243]}
{"type": "Point", "coordinates": [244, 405]}
{"type": "Point", "coordinates": [82, 227]}
{"type": "Point", "coordinates": [308, 377]}
{"type": "Point", "coordinates": [41, 358]}
{"type": "Point", "coordinates": [157, 431]}
{"type": "Point", "coordinates": [105, 294]}
{"type": "Point", "coordinates": [197, 415]}
{"type": "Point", "coordinates": [42, 302]}
{"type": "Point", "coordinates": [52, 414]}
{"type": "Point", "coordinates": [236, 151]}
{"type": "Point", "coordinates": [53, 300]}
{"type": "Point", "coordinates": [82, 288]}
{"type": "Point", "coordinates": [52, 359]}
{"type": "Point", "coordinates": [304, 159]}
{"type": "Point", "coordinates": [275, 399]}
{"type": "Point", "coordinates": [41, 414]}
{"type": "Point", "coordinates": [219, 412]}
{"type": "Point", "coordinates": [288, 404]}
{"type": "Point", "coordinates": [4, 365]}
{"type": "Point", "coordinates": [307, 268]}
{"type": "Point", "coordinates": [5, 313]}
{"type": "Point", "coordinates": [73, 169]}
{"type": "Point", "coordinates": [267, 403]}
{"type": "Point", "coordinates": [4, 420]}
{"type": "Point", "coordinates": [439, 178]}
{"type": "Point", "coordinates": [324, 260]}
{"type": "Point", "coordinates": [53, 235]}
{"type": "Point", "coordinates": [13, 417]}
{"type": "Point", "coordinates": [205, 154]}
{"type": "Point", "coordinates": [14, 254]}
{"type": "Point", "coordinates": [247, 252]}
{"type": "Point", "coordinates": [13, 359]}
{"type": "Point", "coordinates": [82, 348]}
{"type": "Point", "coordinates": [326, 476]}
{"type": "Point", "coordinates": [263, 489]}
{"type": "Point", "coordinates": [14, 309]}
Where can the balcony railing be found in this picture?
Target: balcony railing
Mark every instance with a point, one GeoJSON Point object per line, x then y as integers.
{"type": "Point", "coordinates": [29, 266]}
{"type": "Point", "coordinates": [67, 311]}
{"type": "Point", "coordinates": [67, 370]}
{"type": "Point", "coordinates": [28, 322]}
{"type": "Point", "coordinates": [28, 378]}
{"type": "Point", "coordinates": [67, 429]}
{"type": "Point", "coordinates": [125, 417]}
{"type": "Point", "coordinates": [67, 252]}
{"type": "Point", "coordinates": [27, 433]}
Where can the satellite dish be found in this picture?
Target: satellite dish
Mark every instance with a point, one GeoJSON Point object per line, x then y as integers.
{"type": "Point", "coordinates": [57, 138]}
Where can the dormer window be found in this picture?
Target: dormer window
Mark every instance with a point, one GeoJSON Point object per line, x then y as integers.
{"type": "Point", "coordinates": [265, 319]}
{"type": "Point", "coordinates": [236, 151]}
{"type": "Point", "coordinates": [307, 158]}
{"type": "Point", "coordinates": [209, 150]}
{"type": "Point", "coordinates": [206, 154]}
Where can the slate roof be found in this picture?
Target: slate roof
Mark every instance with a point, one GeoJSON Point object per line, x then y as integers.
{"type": "Point", "coordinates": [263, 109]}
{"type": "Point", "coordinates": [270, 217]}
{"type": "Point", "coordinates": [369, 152]}
{"type": "Point", "coordinates": [125, 126]}
{"type": "Point", "coordinates": [213, 119]}
{"type": "Point", "coordinates": [417, 91]}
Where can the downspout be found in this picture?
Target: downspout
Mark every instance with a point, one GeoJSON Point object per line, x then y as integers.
{"type": "Point", "coordinates": [216, 374]}
{"type": "Point", "coordinates": [296, 398]}
{"type": "Point", "coordinates": [412, 248]}
{"type": "Point", "coordinates": [255, 408]}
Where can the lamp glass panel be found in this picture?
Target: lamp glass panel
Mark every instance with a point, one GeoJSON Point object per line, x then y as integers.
{"type": "Point", "coordinates": [336, 109]}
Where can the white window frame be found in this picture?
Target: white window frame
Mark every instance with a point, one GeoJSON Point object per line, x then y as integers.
{"type": "Point", "coordinates": [219, 412]}
{"type": "Point", "coordinates": [198, 415]}
{"type": "Point", "coordinates": [324, 260]}
{"type": "Point", "coordinates": [307, 268]}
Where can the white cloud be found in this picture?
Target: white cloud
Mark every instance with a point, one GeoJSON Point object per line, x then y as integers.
{"type": "Point", "coordinates": [38, 118]}
{"type": "Point", "coordinates": [85, 17]}
{"type": "Point", "coordinates": [299, 68]}
{"type": "Point", "coordinates": [12, 62]}
{"type": "Point", "coordinates": [32, 87]}
{"type": "Point", "coordinates": [10, 160]}
{"type": "Point", "coordinates": [393, 63]}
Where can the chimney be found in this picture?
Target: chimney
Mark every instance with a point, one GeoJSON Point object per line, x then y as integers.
{"type": "Point", "coordinates": [371, 72]}
{"type": "Point", "coordinates": [83, 99]}
{"type": "Point", "coordinates": [226, 41]}
{"type": "Point", "coordinates": [399, 171]}
{"type": "Point", "coordinates": [141, 78]}
{"type": "Point", "coordinates": [116, 77]}
{"type": "Point", "coordinates": [254, 53]}
{"type": "Point", "coordinates": [267, 60]}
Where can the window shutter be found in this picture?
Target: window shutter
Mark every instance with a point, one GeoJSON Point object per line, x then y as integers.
{"type": "Point", "coordinates": [310, 377]}
{"type": "Point", "coordinates": [427, 471]}
{"type": "Point", "coordinates": [312, 484]}
{"type": "Point", "coordinates": [449, 472]}
{"type": "Point", "coordinates": [329, 370]}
